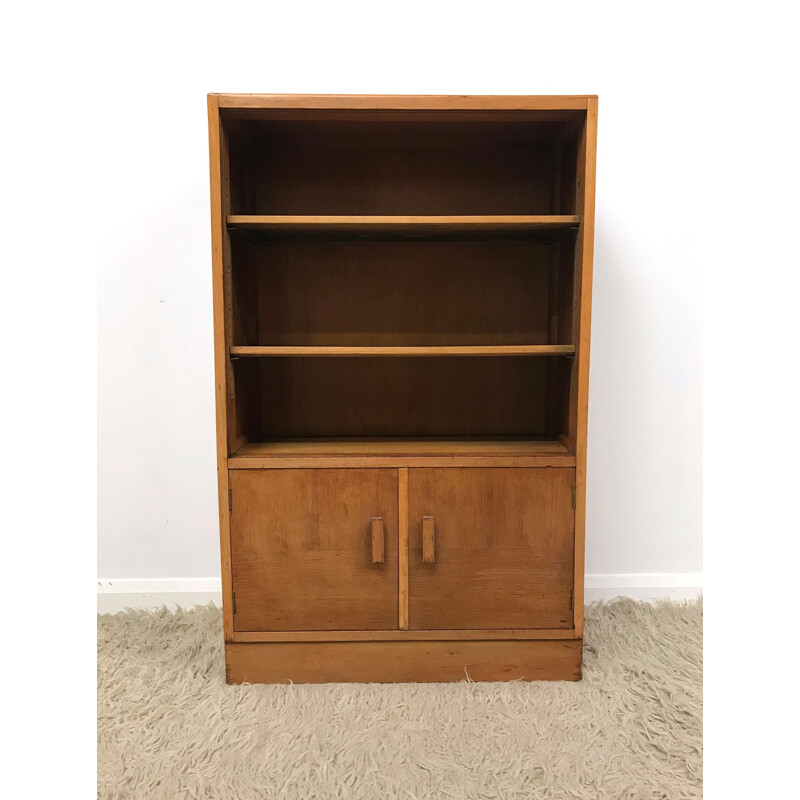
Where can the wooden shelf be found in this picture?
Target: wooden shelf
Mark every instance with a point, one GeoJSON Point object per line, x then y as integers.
{"type": "Point", "coordinates": [471, 350]}
{"type": "Point", "coordinates": [413, 225]}
{"type": "Point", "coordinates": [362, 452]}
{"type": "Point", "coordinates": [403, 446]}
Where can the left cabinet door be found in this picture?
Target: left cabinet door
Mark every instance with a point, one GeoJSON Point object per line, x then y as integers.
{"type": "Point", "coordinates": [306, 549]}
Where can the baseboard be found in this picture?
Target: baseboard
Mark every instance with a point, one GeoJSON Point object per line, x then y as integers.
{"type": "Point", "coordinates": [117, 594]}
{"type": "Point", "coordinates": [644, 586]}
{"type": "Point", "coordinates": [147, 593]}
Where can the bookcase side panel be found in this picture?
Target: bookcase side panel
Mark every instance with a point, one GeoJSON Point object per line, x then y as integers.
{"type": "Point", "coordinates": [221, 362]}
{"type": "Point", "coordinates": [586, 197]}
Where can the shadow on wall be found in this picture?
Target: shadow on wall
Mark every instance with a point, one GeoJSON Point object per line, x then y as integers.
{"type": "Point", "coordinates": [157, 512]}
{"type": "Point", "coordinates": [644, 510]}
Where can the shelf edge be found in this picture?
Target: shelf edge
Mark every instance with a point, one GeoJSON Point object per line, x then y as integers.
{"type": "Point", "coordinates": [258, 351]}
{"type": "Point", "coordinates": [290, 222]}
{"type": "Point", "coordinates": [554, 461]}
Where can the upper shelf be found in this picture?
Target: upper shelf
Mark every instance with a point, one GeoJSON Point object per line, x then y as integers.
{"type": "Point", "coordinates": [445, 350]}
{"type": "Point", "coordinates": [414, 225]}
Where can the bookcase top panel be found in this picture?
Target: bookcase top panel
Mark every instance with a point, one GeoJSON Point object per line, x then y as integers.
{"type": "Point", "coordinates": [384, 102]}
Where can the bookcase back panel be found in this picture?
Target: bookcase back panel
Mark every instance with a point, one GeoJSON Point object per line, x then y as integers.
{"type": "Point", "coordinates": [401, 292]}
{"type": "Point", "coordinates": [371, 397]}
{"type": "Point", "coordinates": [390, 167]}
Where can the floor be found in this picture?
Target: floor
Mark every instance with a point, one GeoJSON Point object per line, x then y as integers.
{"type": "Point", "coordinates": [169, 727]}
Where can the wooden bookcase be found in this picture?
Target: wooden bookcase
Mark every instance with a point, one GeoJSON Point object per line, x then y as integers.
{"type": "Point", "coordinates": [402, 298]}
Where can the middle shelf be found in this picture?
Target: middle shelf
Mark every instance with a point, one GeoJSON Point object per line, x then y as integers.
{"type": "Point", "coordinates": [446, 350]}
{"type": "Point", "coordinates": [403, 225]}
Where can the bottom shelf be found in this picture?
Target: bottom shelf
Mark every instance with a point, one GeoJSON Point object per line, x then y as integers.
{"type": "Point", "coordinates": [398, 451]}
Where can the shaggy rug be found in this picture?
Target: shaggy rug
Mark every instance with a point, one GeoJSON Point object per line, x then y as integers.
{"type": "Point", "coordinates": [169, 726]}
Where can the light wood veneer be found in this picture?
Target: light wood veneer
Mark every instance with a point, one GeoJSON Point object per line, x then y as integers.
{"type": "Point", "coordinates": [402, 310]}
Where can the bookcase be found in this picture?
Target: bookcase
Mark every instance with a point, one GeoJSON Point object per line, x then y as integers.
{"type": "Point", "coordinates": [402, 300]}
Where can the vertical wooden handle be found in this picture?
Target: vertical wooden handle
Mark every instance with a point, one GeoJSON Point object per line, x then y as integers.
{"type": "Point", "coordinates": [428, 555]}
{"type": "Point", "coordinates": [377, 540]}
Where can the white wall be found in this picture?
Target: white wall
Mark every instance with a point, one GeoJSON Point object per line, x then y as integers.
{"type": "Point", "coordinates": [156, 494]}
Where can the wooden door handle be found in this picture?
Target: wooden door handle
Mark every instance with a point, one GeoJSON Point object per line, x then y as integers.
{"type": "Point", "coordinates": [377, 540]}
{"type": "Point", "coordinates": [428, 555]}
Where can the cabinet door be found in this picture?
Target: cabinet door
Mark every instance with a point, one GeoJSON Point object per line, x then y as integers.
{"type": "Point", "coordinates": [306, 551]}
{"type": "Point", "coordinates": [501, 543]}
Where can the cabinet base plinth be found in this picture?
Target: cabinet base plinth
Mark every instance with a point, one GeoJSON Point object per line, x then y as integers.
{"type": "Point", "coordinates": [403, 662]}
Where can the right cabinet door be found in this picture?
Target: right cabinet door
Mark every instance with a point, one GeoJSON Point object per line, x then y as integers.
{"type": "Point", "coordinates": [490, 548]}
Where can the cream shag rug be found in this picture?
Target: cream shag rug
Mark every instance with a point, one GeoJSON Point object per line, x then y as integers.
{"type": "Point", "coordinates": [169, 726]}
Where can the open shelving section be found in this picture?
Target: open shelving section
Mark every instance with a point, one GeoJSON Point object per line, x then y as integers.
{"type": "Point", "coordinates": [401, 277]}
